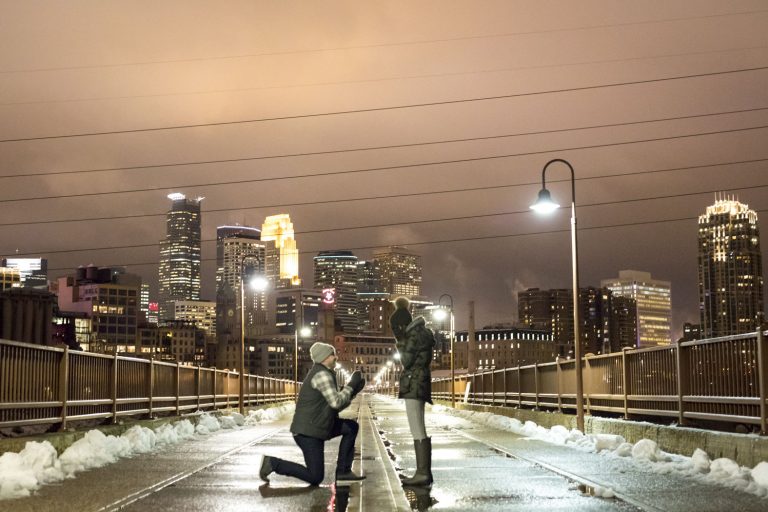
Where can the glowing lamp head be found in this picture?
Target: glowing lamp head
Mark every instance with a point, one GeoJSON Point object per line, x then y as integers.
{"type": "Point", "coordinates": [305, 332]}
{"type": "Point", "coordinates": [439, 314]}
{"type": "Point", "coordinates": [259, 283]}
{"type": "Point", "coordinates": [544, 204]}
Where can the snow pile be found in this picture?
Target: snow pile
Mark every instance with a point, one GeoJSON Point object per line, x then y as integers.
{"type": "Point", "coordinates": [38, 464]}
{"type": "Point", "coordinates": [646, 452]}
{"type": "Point", "coordinates": [266, 415]}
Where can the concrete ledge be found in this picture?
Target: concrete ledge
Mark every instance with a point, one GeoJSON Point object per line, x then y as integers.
{"type": "Point", "coordinates": [63, 440]}
{"type": "Point", "coordinates": [746, 449]}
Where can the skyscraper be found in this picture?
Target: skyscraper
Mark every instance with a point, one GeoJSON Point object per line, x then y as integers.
{"type": "Point", "coordinates": [398, 270]}
{"type": "Point", "coordinates": [654, 306]}
{"type": "Point", "coordinates": [33, 271]}
{"type": "Point", "coordinates": [180, 254]}
{"type": "Point", "coordinates": [240, 254]}
{"type": "Point", "coordinates": [285, 257]}
{"type": "Point", "coordinates": [337, 271]}
{"type": "Point", "coordinates": [730, 269]}
{"type": "Point", "coordinates": [604, 318]}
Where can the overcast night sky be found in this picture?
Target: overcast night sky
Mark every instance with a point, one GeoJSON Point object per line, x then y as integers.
{"type": "Point", "coordinates": [656, 104]}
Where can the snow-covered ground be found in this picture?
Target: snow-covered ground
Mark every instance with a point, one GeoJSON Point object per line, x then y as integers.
{"type": "Point", "coordinates": [645, 452]}
{"type": "Point", "coordinates": [38, 463]}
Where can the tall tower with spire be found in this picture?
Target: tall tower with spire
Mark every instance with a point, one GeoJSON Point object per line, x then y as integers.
{"type": "Point", "coordinates": [730, 269]}
{"type": "Point", "coordinates": [283, 263]}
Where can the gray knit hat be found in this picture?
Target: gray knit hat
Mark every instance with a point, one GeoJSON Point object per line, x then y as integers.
{"type": "Point", "coordinates": [320, 351]}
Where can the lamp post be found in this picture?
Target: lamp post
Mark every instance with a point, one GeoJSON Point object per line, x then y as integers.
{"type": "Point", "coordinates": [545, 204]}
{"type": "Point", "coordinates": [440, 314]}
{"type": "Point", "coordinates": [258, 283]}
{"type": "Point", "coordinates": [303, 332]}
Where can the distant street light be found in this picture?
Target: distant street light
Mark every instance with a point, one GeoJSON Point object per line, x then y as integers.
{"type": "Point", "coordinates": [304, 332]}
{"type": "Point", "coordinates": [259, 284]}
{"type": "Point", "coordinates": [440, 314]}
{"type": "Point", "coordinates": [545, 204]}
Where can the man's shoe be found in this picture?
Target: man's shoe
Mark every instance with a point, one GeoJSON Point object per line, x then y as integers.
{"type": "Point", "coordinates": [349, 476]}
{"type": "Point", "coordinates": [265, 469]}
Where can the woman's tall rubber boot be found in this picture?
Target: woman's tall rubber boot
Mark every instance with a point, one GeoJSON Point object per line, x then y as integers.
{"type": "Point", "coordinates": [423, 475]}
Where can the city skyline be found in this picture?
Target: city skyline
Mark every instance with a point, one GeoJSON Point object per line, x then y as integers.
{"type": "Point", "coordinates": [674, 94]}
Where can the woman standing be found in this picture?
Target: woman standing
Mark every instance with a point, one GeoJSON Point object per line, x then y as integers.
{"type": "Point", "coordinates": [415, 343]}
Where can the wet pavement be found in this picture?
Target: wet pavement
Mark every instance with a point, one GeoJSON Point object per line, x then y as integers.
{"type": "Point", "coordinates": [475, 468]}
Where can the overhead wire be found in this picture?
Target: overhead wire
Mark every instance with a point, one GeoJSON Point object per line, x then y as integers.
{"type": "Point", "coordinates": [372, 169]}
{"type": "Point", "coordinates": [428, 221]}
{"type": "Point", "coordinates": [449, 240]}
{"type": "Point", "coordinates": [387, 44]}
{"type": "Point", "coordinates": [381, 147]}
{"type": "Point", "coordinates": [399, 195]}
{"type": "Point", "coordinates": [379, 80]}
{"type": "Point", "coordinates": [385, 108]}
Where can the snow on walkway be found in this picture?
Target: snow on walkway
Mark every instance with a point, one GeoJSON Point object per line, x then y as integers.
{"type": "Point", "coordinates": [646, 453]}
{"type": "Point", "coordinates": [38, 463]}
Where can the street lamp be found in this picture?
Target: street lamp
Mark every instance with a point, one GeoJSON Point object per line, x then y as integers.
{"type": "Point", "coordinates": [259, 284]}
{"type": "Point", "coordinates": [304, 332]}
{"type": "Point", "coordinates": [440, 315]}
{"type": "Point", "coordinates": [545, 204]}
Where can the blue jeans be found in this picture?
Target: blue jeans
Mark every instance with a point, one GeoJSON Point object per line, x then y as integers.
{"type": "Point", "coordinates": [314, 454]}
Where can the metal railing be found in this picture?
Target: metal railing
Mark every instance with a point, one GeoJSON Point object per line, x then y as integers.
{"type": "Point", "coordinates": [717, 380]}
{"type": "Point", "coordinates": [46, 385]}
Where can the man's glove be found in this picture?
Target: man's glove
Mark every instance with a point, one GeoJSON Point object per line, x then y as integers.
{"type": "Point", "coordinates": [359, 387]}
{"type": "Point", "coordinates": [354, 380]}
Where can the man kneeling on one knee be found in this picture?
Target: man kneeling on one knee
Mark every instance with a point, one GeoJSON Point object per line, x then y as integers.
{"type": "Point", "coordinates": [316, 420]}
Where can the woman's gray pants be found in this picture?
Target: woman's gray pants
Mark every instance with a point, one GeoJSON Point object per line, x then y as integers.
{"type": "Point", "coordinates": [414, 409]}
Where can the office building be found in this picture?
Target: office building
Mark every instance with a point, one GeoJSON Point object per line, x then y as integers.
{"type": "Point", "coordinates": [336, 276]}
{"type": "Point", "coordinates": [26, 315]}
{"type": "Point", "coordinates": [653, 302]}
{"type": "Point", "coordinates": [730, 269]}
{"type": "Point", "coordinates": [33, 272]}
{"type": "Point", "coordinates": [179, 272]}
{"type": "Point", "coordinates": [603, 320]}
{"type": "Point", "coordinates": [283, 259]}
{"type": "Point", "coordinates": [200, 313]}
{"type": "Point", "coordinates": [241, 256]}
{"type": "Point", "coordinates": [297, 307]}
{"type": "Point", "coordinates": [9, 278]}
{"type": "Point", "coordinates": [109, 298]}
{"type": "Point", "coordinates": [504, 347]}
{"type": "Point", "coordinates": [398, 271]}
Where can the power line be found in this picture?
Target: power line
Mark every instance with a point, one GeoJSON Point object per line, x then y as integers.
{"type": "Point", "coordinates": [379, 80]}
{"type": "Point", "coordinates": [387, 108]}
{"type": "Point", "coordinates": [400, 195]}
{"type": "Point", "coordinates": [376, 148]}
{"type": "Point", "coordinates": [372, 169]}
{"type": "Point", "coordinates": [452, 240]}
{"type": "Point", "coordinates": [430, 221]}
{"type": "Point", "coordinates": [383, 45]}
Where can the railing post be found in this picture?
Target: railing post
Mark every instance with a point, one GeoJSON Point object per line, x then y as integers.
{"type": "Point", "coordinates": [114, 388]}
{"type": "Point", "coordinates": [625, 381]}
{"type": "Point", "coordinates": [505, 387]}
{"type": "Point", "coordinates": [64, 387]}
{"type": "Point", "coordinates": [151, 381]}
{"type": "Point", "coordinates": [213, 381]}
{"type": "Point", "coordinates": [683, 378]}
{"type": "Point", "coordinates": [762, 373]}
{"type": "Point", "coordinates": [493, 388]}
{"type": "Point", "coordinates": [588, 382]}
{"type": "Point", "coordinates": [559, 385]}
{"type": "Point", "coordinates": [519, 389]}
{"type": "Point", "coordinates": [536, 382]}
{"type": "Point", "coordinates": [178, 388]}
{"type": "Point", "coordinates": [197, 386]}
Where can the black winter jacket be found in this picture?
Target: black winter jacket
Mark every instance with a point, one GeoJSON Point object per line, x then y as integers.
{"type": "Point", "coordinates": [416, 356]}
